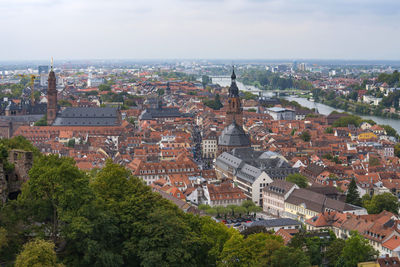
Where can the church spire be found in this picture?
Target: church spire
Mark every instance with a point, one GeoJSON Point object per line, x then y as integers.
{"type": "Point", "coordinates": [51, 96]}
{"type": "Point", "coordinates": [233, 89]}
{"type": "Point", "coordinates": [234, 112]}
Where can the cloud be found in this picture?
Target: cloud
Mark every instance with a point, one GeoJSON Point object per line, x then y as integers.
{"type": "Point", "coordinates": [359, 29]}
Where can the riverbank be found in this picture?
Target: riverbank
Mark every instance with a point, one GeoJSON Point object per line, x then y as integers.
{"type": "Point", "coordinates": [326, 110]}
{"type": "Point", "coordinates": [358, 108]}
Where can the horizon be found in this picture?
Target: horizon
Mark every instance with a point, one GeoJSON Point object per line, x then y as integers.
{"type": "Point", "coordinates": [228, 61]}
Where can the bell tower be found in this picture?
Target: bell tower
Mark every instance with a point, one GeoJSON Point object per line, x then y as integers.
{"type": "Point", "coordinates": [51, 96]}
{"type": "Point", "coordinates": [234, 112]}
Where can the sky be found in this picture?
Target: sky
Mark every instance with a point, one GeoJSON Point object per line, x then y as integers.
{"type": "Point", "coordinates": [199, 29]}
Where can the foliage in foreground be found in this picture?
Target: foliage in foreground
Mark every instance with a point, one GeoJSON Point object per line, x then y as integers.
{"type": "Point", "coordinates": [109, 218]}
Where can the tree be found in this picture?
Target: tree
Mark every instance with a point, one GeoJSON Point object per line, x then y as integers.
{"type": "Point", "coordinates": [348, 120]}
{"type": "Point", "coordinates": [397, 150]}
{"type": "Point", "coordinates": [255, 250]}
{"type": "Point", "coordinates": [254, 230]}
{"type": "Point", "coordinates": [3, 237]}
{"type": "Point", "coordinates": [160, 91]}
{"type": "Point", "coordinates": [288, 256]}
{"type": "Point", "coordinates": [298, 179]}
{"type": "Point", "coordinates": [249, 96]}
{"type": "Point", "coordinates": [104, 87]}
{"type": "Point", "coordinates": [217, 101]}
{"type": "Point", "coordinates": [214, 235]}
{"type": "Point", "coordinates": [379, 203]}
{"type": "Point", "coordinates": [334, 250]}
{"type": "Point", "coordinates": [305, 136]}
{"type": "Point", "coordinates": [214, 104]}
{"type": "Point", "coordinates": [205, 80]}
{"type": "Point", "coordinates": [37, 253]}
{"type": "Point", "coordinates": [390, 130]}
{"type": "Point", "coordinates": [204, 207]}
{"type": "Point", "coordinates": [353, 197]}
{"type": "Point", "coordinates": [55, 191]}
{"type": "Point", "coordinates": [71, 142]}
{"type": "Point", "coordinates": [42, 121]}
{"type": "Point", "coordinates": [240, 210]}
{"type": "Point", "coordinates": [249, 207]}
{"type": "Point", "coordinates": [312, 244]}
{"type": "Point", "coordinates": [165, 240]}
{"type": "Point", "coordinates": [357, 249]}
{"type": "Point", "coordinates": [329, 130]}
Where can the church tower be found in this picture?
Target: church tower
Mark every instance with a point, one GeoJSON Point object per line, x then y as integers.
{"type": "Point", "coordinates": [234, 112]}
{"type": "Point", "coordinates": [51, 97]}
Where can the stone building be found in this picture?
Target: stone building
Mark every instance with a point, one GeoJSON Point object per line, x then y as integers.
{"type": "Point", "coordinates": [252, 170]}
{"type": "Point", "coordinates": [11, 182]}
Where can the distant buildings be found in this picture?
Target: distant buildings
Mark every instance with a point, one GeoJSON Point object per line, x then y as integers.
{"type": "Point", "coordinates": [43, 71]}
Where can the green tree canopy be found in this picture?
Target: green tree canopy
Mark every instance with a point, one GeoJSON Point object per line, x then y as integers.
{"type": "Point", "coordinates": [329, 130]}
{"type": "Point", "coordinates": [298, 179]}
{"type": "Point", "coordinates": [215, 103]}
{"type": "Point", "coordinates": [255, 250]}
{"type": "Point", "coordinates": [348, 120]}
{"type": "Point", "coordinates": [357, 249]}
{"type": "Point", "coordinates": [37, 253]}
{"type": "Point", "coordinates": [205, 80]}
{"type": "Point", "coordinates": [390, 130]}
{"type": "Point", "coordinates": [104, 87]}
{"type": "Point", "coordinates": [381, 202]}
{"type": "Point", "coordinates": [305, 136]}
{"type": "Point", "coordinates": [353, 197]}
{"type": "Point", "coordinates": [333, 251]}
{"type": "Point", "coordinates": [42, 121]}
{"type": "Point", "coordinates": [55, 191]}
{"type": "Point", "coordinates": [3, 237]}
{"type": "Point", "coordinates": [288, 256]}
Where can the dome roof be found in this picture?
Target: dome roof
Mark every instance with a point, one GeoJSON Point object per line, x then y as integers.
{"type": "Point", "coordinates": [234, 135]}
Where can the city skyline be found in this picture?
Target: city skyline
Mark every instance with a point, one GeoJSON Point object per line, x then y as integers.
{"type": "Point", "coordinates": [200, 29]}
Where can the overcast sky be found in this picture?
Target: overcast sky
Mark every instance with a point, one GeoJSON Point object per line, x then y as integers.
{"type": "Point", "coordinates": [196, 29]}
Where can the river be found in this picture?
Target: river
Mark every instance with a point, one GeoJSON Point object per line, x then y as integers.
{"type": "Point", "coordinates": [326, 110]}
{"type": "Point", "coordinates": [322, 109]}
{"type": "Point", "coordinates": [227, 81]}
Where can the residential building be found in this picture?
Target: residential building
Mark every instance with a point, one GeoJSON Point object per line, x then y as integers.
{"type": "Point", "coordinates": [303, 204]}
{"type": "Point", "coordinates": [223, 194]}
{"type": "Point", "coordinates": [209, 145]}
{"type": "Point", "coordinates": [274, 196]}
{"type": "Point", "coordinates": [381, 230]}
